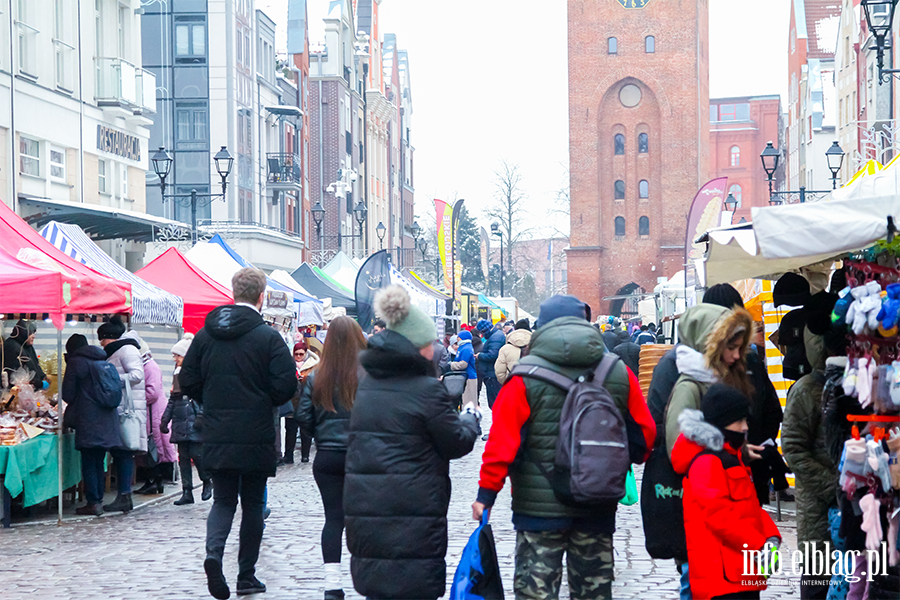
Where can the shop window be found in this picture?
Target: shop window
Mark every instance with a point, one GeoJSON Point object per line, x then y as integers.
{"type": "Point", "coordinates": [57, 163]}
{"type": "Point", "coordinates": [620, 227]}
{"type": "Point", "coordinates": [644, 189]}
{"type": "Point", "coordinates": [29, 156]}
{"type": "Point", "coordinates": [649, 44]}
{"type": "Point", "coordinates": [612, 46]}
{"type": "Point", "coordinates": [619, 143]}
{"type": "Point", "coordinates": [620, 190]}
{"type": "Point", "coordinates": [735, 156]}
{"type": "Point", "coordinates": [644, 226]}
{"type": "Point", "coordinates": [643, 143]}
{"type": "Point", "coordinates": [737, 192]}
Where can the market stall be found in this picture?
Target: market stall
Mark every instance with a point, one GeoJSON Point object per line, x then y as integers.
{"type": "Point", "coordinates": [172, 272]}
{"type": "Point", "coordinates": [308, 277]}
{"type": "Point", "coordinates": [342, 270]}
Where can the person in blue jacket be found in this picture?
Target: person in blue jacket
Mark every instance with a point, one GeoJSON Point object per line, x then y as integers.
{"type": "Point", "coordinates": [465, 361]}
{"type": "Point", "coordinates": [494, 340]}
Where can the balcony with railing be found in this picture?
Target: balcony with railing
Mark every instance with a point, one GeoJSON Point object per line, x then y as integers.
{"type": "Point", "coordinates": [283, 171]}
{"type": "Point", "coordinates": [122, 85]}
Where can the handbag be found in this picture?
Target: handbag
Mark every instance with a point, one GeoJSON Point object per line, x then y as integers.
{"type": "Point", "coordinates": [129, 422]}
{"type": "Point", "coordinates": [478, 575]}
{"type": "Point", "coordinates": [662, 511]}
{"type": "Point", "coordinates": [631, 491]}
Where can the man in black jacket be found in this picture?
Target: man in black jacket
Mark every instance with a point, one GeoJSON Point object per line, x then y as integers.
{"type": "Point", "coordinates": [240, 370]}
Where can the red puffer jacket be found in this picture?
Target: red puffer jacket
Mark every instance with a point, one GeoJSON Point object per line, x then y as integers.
{"type": "Point", "coordinates": [722, 517]}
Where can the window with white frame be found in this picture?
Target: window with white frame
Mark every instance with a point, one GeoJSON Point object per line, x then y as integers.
{"type": "Point", "coordinates": [102, 180]}
{"type": "Point", "coordinates": [124, 180]}
{"type": "Point", "coordinates": [122, 30]}
{"type": "Point", "coordinates": [63, 51]}
{"type": "Point", "coordinates": [29, 156]}
{"type": "Point", "coordinates": [57, 163]}
{"type": "Point", "coordinates": [27, 36]}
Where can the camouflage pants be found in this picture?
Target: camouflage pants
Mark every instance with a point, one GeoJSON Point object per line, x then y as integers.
{"type": "Point", "coordinates": [589, 561]}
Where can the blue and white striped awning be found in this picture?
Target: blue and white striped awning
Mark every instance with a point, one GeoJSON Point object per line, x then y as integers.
{"type": "Point", "coordinates": [150, 304]}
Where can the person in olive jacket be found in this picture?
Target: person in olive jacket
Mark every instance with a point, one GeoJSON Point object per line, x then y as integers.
{"type": "Point", "coordinates": [404, 430]}
{"type": "Point", "coordinates": [240, 370]}
{"type": "Point", "coordinates": [324, 414]}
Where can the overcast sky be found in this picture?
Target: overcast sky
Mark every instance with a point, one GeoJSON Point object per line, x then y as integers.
{"type": "Point", "coordinates": [489, 83]}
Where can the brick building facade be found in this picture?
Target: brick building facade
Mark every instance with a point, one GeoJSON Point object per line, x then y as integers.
{"type": "Point", "coordinates": [638, 140]}
{"type": "Point", "coordinates": [739, 130]}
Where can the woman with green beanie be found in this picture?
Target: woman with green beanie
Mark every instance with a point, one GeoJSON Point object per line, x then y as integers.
{"type": "Point", "coordinates": [404, 430]}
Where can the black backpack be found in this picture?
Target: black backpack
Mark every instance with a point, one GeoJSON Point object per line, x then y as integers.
{"type": "Point", "coordinates": [592, 451]}
{"type": "Point", "coordinates": [107, 384]}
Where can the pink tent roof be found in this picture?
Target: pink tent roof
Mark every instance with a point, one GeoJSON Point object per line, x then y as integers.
{"type": "Point", "coordinates": [72, 288]}
{"type": "Point", "coordinates": [174, 273]}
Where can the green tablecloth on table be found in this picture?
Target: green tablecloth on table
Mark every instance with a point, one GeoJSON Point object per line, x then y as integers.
{"type": "Point", "coordinates": [33, 467]}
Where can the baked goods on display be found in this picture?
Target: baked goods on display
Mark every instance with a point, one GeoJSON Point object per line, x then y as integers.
{"type": "Point", "coordinates": [25, 412]}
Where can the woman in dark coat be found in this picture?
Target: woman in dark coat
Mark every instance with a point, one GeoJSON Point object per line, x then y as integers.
{"type": "Point", "coordinates": [404, 431]}
{"type": "Point", "coordinates": [19, 353]}
{"type": "Point", "coordinates": [96, 427]}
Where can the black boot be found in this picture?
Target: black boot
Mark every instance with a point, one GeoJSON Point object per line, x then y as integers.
{"type": "Point", "coordinates": [153, 486]}
{"type": "Point", "coordinates": [207, 490]}
{"type": "Point", "coordinates": [334, 594]}
{"type": "Point", "coordinates": [122, 503]}
{"type": "Point", "coordinates": [187, 497]}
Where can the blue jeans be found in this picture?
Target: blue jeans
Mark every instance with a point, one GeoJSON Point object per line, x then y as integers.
{"type": "Point", "coordinates": [685, 592]}
{"type": "Point", "coordinates": [839, 587]}
{"type": "Point", "coordinates": [92, 474]}
{"type": "Point", "coordinates": [124, 469]}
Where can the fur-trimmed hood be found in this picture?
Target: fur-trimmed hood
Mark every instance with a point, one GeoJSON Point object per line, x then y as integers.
{"type": "Point", "coordinates": [731, 323]}
{"type": "Point", "coordinates": [696, 435]}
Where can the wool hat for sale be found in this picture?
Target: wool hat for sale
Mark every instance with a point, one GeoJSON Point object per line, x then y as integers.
{"type": "Point", "coordinates": [723, 405]}
{"type": "Point", "coordinates": [562, 306]}
{"type": "Point", "coordinates": [75, 342]}
{"type": "Point", "coordinates": [394, 305]}
{"type": "Point", "coordinates": [111, 330]}
{"type": "Point", "coordinates": [182, 346]}
{"type": "Point", "coordinates": [791, 290]}
{"type": "Point", "coordinates": [484, 325]}
{"type": "Point", "coordinates": [818, 310]}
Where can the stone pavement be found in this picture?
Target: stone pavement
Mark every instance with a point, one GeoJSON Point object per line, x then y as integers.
{"type": "Point", "coordinates": [157, 552]}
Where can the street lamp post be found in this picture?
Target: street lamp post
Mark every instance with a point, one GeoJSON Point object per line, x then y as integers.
{"type": "Point", "coordinates": [162, 166]}
{"type": "Point", "coordinates": [380, 229]}
{"type": "Point", "coordinates": [771, 156]}
{"type": "Point", "coordinates": [495, 230]}
{"type": "Point", "coordinates": [881, 31]}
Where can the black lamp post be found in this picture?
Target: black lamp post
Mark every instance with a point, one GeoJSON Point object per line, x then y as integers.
{"type": "Point", "coordinates": [380, 230]}
{"type": "Point", "coordinates": [318, 215]}
{"type": "Point", "coordinates": [162, 166]}
{"type": "Point", "coordinates": [361, 212]}
{"type": "Point", "coordinates": [770, 158]}
{"type": "Point", "coordinates": [495, 230]}
{"type": "Point", "coordinates": [731, 203]}
{"type": "Point", "coordinates": [880, 18]}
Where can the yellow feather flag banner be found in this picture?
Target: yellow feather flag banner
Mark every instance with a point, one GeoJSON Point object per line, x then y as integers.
{"type": "Point", "coordinates": [445, 238]}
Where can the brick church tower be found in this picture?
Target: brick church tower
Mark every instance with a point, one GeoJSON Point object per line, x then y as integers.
{"type": "Point", "coordinates": [638, 141]}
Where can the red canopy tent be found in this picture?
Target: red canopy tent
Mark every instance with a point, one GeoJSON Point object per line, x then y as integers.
{"type": "Point", "coordinates": [174, 273]}
{"type": "Point", "coordinates": [80, 290]}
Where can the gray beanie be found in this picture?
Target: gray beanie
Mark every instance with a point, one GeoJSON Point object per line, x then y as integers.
{"type": "Point", "coordinates": [394, 305]}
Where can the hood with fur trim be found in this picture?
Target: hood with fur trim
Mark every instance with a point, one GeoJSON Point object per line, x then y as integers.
{"type": "Point", "coordinates": [733, 322]}
{"type": "Point", "coordinates": [696, 435]}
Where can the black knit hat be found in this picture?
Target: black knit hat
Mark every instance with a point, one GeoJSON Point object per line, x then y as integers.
{"type": "Point", "coordinates": [75, 341]}
{"type": "Point", "coordinates": [112, 330]}
{"type": "Point", "coordinates": [724, 295]}
{"type": "Point", "coordinates": [791, 290]}
{"type": "Point", "coordinates": [523, 324]}
{"type": "Point", "coordinates": [723, 405]}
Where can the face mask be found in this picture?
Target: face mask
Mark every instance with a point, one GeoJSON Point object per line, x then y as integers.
{"type": "Point", "coordinates": [735, 439]}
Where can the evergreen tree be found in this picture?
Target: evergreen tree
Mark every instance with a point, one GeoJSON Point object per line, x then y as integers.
{"type": "Point", "coordinates": [468, 251]}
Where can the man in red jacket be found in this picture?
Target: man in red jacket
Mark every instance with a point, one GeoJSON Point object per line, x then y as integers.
{"type": "Point", "coordinates": [723, 521]}
{"type": "Point", "coordinates": [525, 429]}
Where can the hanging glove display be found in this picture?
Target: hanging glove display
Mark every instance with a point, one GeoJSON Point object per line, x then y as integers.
{"type": "Point", "coordinates": [871, 522]}
{"type": "Point", "coordinates": [864, 381]}
{"type": "Point", "coordinates": [878, 464]}
{"type": "Point", "coordinates": [893, 444]}
{"type": "Point", "coordinates": [845, 299]}
{"type": "Point", "coordinates": [890, 309]}
{"type": "Point", "coordinates": [851, 377]}
{"type": "Point", "coordinates": [854, 464]}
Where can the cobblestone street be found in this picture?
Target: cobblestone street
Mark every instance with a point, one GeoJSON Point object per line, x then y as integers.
{"type": "Point", "coordinates": [157, 551]}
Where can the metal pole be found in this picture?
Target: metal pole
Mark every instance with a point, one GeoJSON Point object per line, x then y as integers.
{"type": "Point", "coordinates": [501, 264]}
{"type": "Point", "coordinates": [194, 216]}
{"type": "Point", "coordinates": [802, 194]}
{"type": "Point", "coordinates": [59, 431]}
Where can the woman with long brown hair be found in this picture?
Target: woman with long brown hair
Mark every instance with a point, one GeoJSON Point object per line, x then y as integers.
{"type": "Point", "coordinates": [324, 414]}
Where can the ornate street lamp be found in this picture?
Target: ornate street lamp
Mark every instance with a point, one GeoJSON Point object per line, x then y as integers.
{"type": "Point", "coordinates": [730, 203]}
{"type": "Point", "coordinates": [380, 230]}
{"type": "Point", "coordinates": [835, 158]}
{"type": "Point", "coordinates": [880, 18]}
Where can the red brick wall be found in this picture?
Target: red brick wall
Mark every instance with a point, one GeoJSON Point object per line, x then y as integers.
{"type": "Point", "coordinates": [673, 111]}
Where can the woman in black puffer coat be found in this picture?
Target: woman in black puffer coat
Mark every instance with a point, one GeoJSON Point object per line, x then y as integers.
{"type": "Point", "coordinates": [404, 430]}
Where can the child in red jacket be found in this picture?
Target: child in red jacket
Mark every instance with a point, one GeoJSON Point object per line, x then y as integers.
{"type": "Point", "coordinates": [722, 518]}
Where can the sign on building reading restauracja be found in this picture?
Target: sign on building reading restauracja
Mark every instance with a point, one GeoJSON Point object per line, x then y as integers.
{"type": "Point", "coordinates": [118, 143]}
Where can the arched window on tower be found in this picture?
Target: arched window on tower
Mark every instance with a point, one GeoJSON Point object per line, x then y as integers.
{"type": "Point", "coordinates": [735, 156]}
{"type": "Point", "coordinates": [620, 226]}
{"type": "Point", "coordinates": [644, 226]}
{"type": "Point", "coordinates": [736, 191]}
{"type": "Point", "coordinates": [620, 190]}
{"type": "Point", "coordinates": [619, 143]}
{"type": "Point", "coordinates": [649, 44]}
{"type": "Point", "coordinates": [643, 143]}
{"type": "Point", "coordinates": [644, 189]}
{"type": "Point", "coordinates": [612, 46]}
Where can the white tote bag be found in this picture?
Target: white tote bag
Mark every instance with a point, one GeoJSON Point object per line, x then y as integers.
{"type": "Point", "coordinates": [129, 422]}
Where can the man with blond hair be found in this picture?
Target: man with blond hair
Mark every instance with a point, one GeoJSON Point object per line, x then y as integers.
{"type": "Point", "coordinates": [240, 370]}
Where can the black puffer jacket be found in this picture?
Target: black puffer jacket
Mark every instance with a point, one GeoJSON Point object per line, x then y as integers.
{"type": "Point", "coordinates": [330, 429]}
{"type": "Point", "coordinates": [17, 354]}
{"type": "Point", "coordinates": [182, 412]}
{"type": "Point", "coordinates": [404, 431]}
{"type": "Point", "coordinates": [95, 426]}
{"type": "Point", "coordinates": [240, 370]}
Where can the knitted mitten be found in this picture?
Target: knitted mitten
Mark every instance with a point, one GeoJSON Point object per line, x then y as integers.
{"type": "Point", "coordinates": [893, 528]}
{"type": "Point", "coordinates": [871, 522]}
{"type": "Point", "coordinates": [842, 306]}
{"type": "Point", "coordinates": [855, 316]}
{"type": "Point", "coordinates": [894, 457]}
{"type": "Point", "coordinates": [872, 304]}
{"type": "Point", "coordinates": [891, 306]}
{"type": "Point", "coordinates": [854, 462]}
{"type": "Point", "coordinates": [878, 463]}
{"type": "Point", "coordinates": [864, 382]}
{"type": "Point", "coordinates": [851, 378]}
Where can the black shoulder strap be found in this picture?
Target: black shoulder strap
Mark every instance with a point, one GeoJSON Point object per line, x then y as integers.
{"type": "Point", "coordinates": [725, 458]}
{"type": "Point", "coordinates": [605, 367]}
{"type": "Point", "coordinates": [561, 381]}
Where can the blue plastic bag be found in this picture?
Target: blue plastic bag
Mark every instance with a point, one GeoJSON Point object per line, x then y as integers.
{"type": "Point", "coordinates": [478, 574]}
